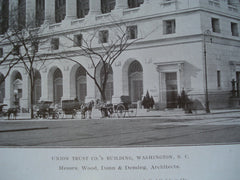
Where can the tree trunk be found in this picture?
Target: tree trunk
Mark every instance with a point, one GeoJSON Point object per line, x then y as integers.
{"type": "Point", "coordinates": [103, 96]}
{"type": "Point", "coordinates": [31, 102]}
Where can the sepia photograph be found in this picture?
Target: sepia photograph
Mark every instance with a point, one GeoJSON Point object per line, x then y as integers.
{"type": "Point", "coordinates": [120, 89]}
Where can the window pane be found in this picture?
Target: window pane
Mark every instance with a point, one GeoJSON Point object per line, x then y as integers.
{"type": "Point", "coordinates": [234, 29]}
{"type": "Point", "coordinates": [215, 25]}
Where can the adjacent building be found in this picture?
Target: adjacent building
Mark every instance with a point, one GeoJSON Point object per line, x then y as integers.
{"type": "Point", "coordinates": [184, 44]}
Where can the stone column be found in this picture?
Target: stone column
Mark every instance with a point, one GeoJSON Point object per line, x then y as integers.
{"type": "Point", "coordinates": [71, 9]}
{"type": "Point", "coordinates": [25, 100]}
{"type": "Point", "coordinates": [90, 87]}
{"type": "Point", "coordinates": [121, 4]}
{"type": "Point", "coordinates": [179, 78]}
{"type": "Point", "coordinates": [67, 84]}
{"type": "Point", "coordinates": [94, 7]}
{"type": "Point", "coordinates": [30, 13]}
{"type": "Point", "coordinates": [118, 82]}
{"type": "Point", "coordinates": [44, 86]}
{"type": "Point", "coordinates": [49, 11]}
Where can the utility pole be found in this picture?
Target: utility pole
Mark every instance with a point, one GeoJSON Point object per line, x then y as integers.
{"type": "Point", "coordinates": [205, 34]}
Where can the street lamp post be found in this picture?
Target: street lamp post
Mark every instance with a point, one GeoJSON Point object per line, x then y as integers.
{"type": "Point", "coordinates": [205, 34]}
{"type": "Point", "coordinates": [15, 97]}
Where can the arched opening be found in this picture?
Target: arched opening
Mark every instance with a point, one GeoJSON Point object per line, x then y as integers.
{"type": "Point", "coordinates": [135, 81]}
{"type": "Point", "coordinates": [2, 88]}
{"type": "Point", "coordinates": [81, 84]}
{"type": "Point", "coordinates": [109, 83]}
{"type": "Point", "coordinates": [37, 87]}
{"type": "Point", "coordinates": [134, 3]}
{"type": "Point", "coordinates": [57, 86]}
{"type": "Point", "coordinates": [60, 10]}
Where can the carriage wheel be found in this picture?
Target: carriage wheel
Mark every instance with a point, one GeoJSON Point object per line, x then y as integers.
{"type": "Point", "coordinates": [55, 115]}
{"type": "Point", "coordinates": [121, 111]}
{"type": "Point", "coordinates": [132, 112]}
{"type": "Point", "coordinates": [61, 114]}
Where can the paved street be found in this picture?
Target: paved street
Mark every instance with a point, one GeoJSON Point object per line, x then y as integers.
{"type": "Point", "coordinates": [160, 131]}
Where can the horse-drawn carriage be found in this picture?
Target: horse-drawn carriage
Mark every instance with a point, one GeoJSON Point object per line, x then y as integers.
{"type": "Point", "coordinates": [123, 109]}
{"type": "Point", "coordinates": [74, 107]}
{"type": "Point", "coordinates": [70, 107]}
{"type": "Point", "coordinates": [46, 109]}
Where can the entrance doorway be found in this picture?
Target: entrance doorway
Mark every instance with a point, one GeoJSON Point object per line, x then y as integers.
{"type": "Point", "coordinates": [171, 88]}
{"type": "Point", "coordinates": [135, 80]}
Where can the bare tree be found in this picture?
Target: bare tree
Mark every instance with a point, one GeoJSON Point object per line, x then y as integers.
{"type": "Point", "coordinates": [24, 41]}
{"type": "Point", "coordinates": [102, 48]}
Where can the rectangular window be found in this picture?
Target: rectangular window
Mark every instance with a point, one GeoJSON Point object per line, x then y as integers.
{"type": "Point", "coordinates": [218, 78]}
{"type": "Point", "coordinates": [21, 14]}
{"type": "Point", "coordinates": [169, 26]}
{"type": "Point", "coordinates": [40, 10]}
{"type": "Point", "coordinates": [231, 2]}
{"type": "Point", "coordinates": [34, 47]}
{"type": "Point", "coordinates": [55, 44]}
{"type": "Point", "coordinates": [215, 25]}
{"type": "Point", "coordinates": [82, 8]}
{"type": "Point", "coordinates": [1, 52]}
{"type": "Point", "coordinates": [16, 50]}
{"type": "Point", "coordinates": [215, 3]}
{"type": "Point", "coordinates": [134, 3]}
{"type": "Point", "coordinates": [4, 16]}
{"type": "Point", "coordinates": [234, 29]}
{"type": "Point", "coordinates": [77, 40]}
{"type": "Point", "coordinates": [132, 32]}
{"type": "Point", "coordinates": [103, 36]}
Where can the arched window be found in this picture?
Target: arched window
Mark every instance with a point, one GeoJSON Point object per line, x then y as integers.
{"type": "Point", "coordinates": [60, 10]}
{"type": "Point", "coordinates": [82, 8]}
{"type": "Point", "coordinates": [109, 85]}
{"type": "Point", "coordinates": [81, 84]}
{"type": "Point", "coordinates": [57, 86]}
{"type": "Point", "coordinates": [2, 88]}
{"type": "Point", "coordinates": [17, 88]}
{"type": "Point", "coordinates": [135, 80]}
{"type": "Point", "coordinates": [134, 3]}
{"type": "Point", "coordinates": [37, 88]}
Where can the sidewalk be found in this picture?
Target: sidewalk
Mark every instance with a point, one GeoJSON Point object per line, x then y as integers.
{"type": "Point", "coordinates": [96, 114]}
{"type": "Point", "coordinates": [180, 112]}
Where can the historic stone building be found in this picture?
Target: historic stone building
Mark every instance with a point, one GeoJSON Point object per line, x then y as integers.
{"type": "Point", "coordinates": [180, 40]}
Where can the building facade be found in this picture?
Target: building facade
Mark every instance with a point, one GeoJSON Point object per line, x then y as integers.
{"type": "Point", "coordinates": [183, 44]}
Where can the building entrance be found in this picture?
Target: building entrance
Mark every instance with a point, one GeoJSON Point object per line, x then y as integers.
{"type": "Point", "coordinates": [171, 88]}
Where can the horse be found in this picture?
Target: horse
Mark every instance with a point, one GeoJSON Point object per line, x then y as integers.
{"type": "Point", "coordinates": [13, 112]}
{"type": "Point", "coordinates": [87, 107]}
{"type": "Point", "coordinates": [106, 109]}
